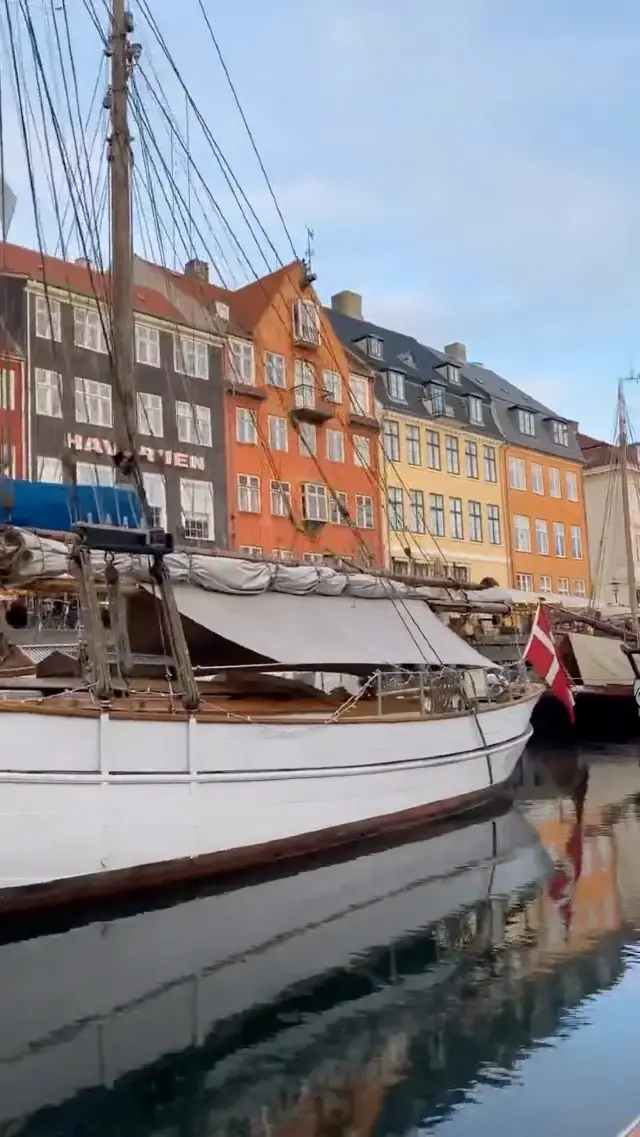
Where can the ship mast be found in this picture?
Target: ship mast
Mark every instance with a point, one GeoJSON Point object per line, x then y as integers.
{"type": "Point", "coordinates": [626, 510]}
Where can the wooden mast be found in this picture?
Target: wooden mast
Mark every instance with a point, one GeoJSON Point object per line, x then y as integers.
{"type": "Point", "coordinates": [628, 541]}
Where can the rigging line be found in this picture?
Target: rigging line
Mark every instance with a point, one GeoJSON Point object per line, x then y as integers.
{"type": "Point", "coordinates": [3, 189]}
{"type": "Point", "coordinates": [86, 128]}
{"type": "Point", "coordinates": [93, 16]}
{"type": "Point", "coordinates": [247, 127]}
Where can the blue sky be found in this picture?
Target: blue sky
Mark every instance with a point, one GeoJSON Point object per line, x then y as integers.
{"type": "Point", "coordinates": [472, 168]}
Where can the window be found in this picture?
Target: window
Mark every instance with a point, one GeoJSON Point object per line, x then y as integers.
{"type": "Point", "coordinates": [248, 493]}
{"type": "Point", "coordinates": [558, 539]}
{"type": "Point", "coordinates": [455, 517]}
{"type": "Point", "coordinates": [49, 470]}
{"type": "Point", "coordinates": [191, 357]}
{"type": "Point", "coordinates": [526, 422]}
{"type": "Point", "coordinates": [246, 425]}
{"type": "Point", "coordinates": [364, 511]}
{"type": "Point", "coordinates": [475, 409]}
{"type": "Point", "coordinates": [412, 440]}
{"type": "Point", "coordinates": [579, 588]}
{"type": "Point", "coordinates": [359, 395]}
{"type": "Point", "coordinates": [338, 509]}
{"type": "Point", "coordinates": [7, 394]}
{"type": "Point", "coordinates": [196, 504]}
{"type": "Point", "coordinates": [275, 370]}
{"type": "Point", "coordinates": [453, 459]}
{"type": "Point", "coordinates": [314, 502]}
{"type": "Point", "coordinates": [48, 393]}
{"type": "Point", "coordinates": [305, 385]}
{"type": "Point", "coordinates": [147, 345]}
{"type": "Point", "coordinates": [284, 555]}
{"type": "Point", "coordinates": [417, 519]}
{"type": "Point", "coordinates": [471, 459]}
{"type": "Point", "coordinates": [475, 521]}
{"type": "Point", "coordinates": [306, 324]}
{"type": "Point", "coordinates": [576, 542]}
{"type": "Point", "coordinates": [563, 586]}
{"type": "Point", "coordinates": [87, 329]}
{"type": "Point", "coordinates": [394, 381]}
{"type": "Point", "coordinates": [150, 414]}
{"type": "Point", "coordinates": [537, 481]}
{"type": "Point", "coordinates": [361, 451]}
{"type": "Point", "coordinates": [517, 474]}
{"type": "Point", "coordinates": [493, 524]}
{"type": "Point", "coordinates": [545, 584]}
{"type": "Point", "coordinates": [554, 482]}
{"type": "Point", "coordinates": [278, 432]}
{"type": "Point", "coordinates": [437, 396]}
{"type": "Point", "coordinates": [542, 538]}
{"type": "Point", "coordinates": [93, 402]}
{"type": "Point", "coordinates": [95, 474]}
{"type": "Point", "coordinates": [560, 432]}
{"type": "Point", "coordinates": [395, 508]}
{"type": "Point", "coordinates": [522, 534]}
{"type": "Point", "coordinates": [332, 386]}
{"type": "Point", "coordinates": [433, 450]}
{"type": "Point", "coordinates": [524, 582]}
{"type": "Point", "coordinates": [48, 325]}
{"type": "Point", "coordinates": [313, 558]}
{"type": "Point", "coordinates": [307, 439]}
{"type": "Point", "coordinates": [572, 485]}
{"type": "Point", "coordinates": [374, 347]}
{"type": "Point", "coordinates": [194, 425]}
{"type": "Point", "coordinates": [155, 489]}
{"type": "Point", "coordinates": [334, 441]}
{"type": "Point", "coordinates": [241, 361]}
{"type": "Point", "coordinates": [250, 550]}
{"type": "Point", "coordinates": [280, 493]}
{"type": "Point", "coordinates": [436, 512]}
{"type": "Point", "coordinates": [490, 468]}
{"type": "Point", "coordinates": [391, 440]}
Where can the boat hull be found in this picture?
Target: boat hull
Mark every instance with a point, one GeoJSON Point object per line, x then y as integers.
{"type": "Point", "coordinates": [101, 805]}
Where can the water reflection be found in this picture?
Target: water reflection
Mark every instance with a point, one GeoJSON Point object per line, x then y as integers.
{"type": "Point", "coordinates": [373, 996]}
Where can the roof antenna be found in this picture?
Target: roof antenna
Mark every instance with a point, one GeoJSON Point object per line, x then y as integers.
{"type": "Point", "coordinates": [309, 274]}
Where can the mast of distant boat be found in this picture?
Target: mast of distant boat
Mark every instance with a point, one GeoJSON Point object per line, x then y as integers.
{"type": "Point", "coordinates": [626, 509]}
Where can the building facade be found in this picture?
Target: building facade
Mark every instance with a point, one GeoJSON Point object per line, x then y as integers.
{"type": "Point", "coordinates": [603, 493]}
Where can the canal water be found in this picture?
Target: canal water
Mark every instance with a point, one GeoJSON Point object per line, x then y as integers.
{"type": "Point", "coordinates": [476, 979]}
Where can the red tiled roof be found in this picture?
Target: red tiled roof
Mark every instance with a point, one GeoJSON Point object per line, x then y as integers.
{"type": "Point", "coordinates": [596, 452]}
{"type": "Point", "coordinates": [247, 305]}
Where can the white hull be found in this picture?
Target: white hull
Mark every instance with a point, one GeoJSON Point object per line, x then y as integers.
{"type": "Point", "coordinates": [101, 796]}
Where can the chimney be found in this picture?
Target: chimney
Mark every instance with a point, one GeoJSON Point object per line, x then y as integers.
{"type": "Point", "coordinates": [199, 269]}
{"type": "Point", "coordinates": [348, 303]}
{"type": "Point", "coordinates": [456, 351]}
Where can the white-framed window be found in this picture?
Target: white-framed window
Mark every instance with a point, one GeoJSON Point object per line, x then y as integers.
{"type": "Point", "coordinates": [475, 409]}
{"type": "Point", "coordinates": [471, 459]}
{"type": "Point", "coordinates": [576, 542]}
{"type": "Point", "coordinates": [196, 505]}
{"type": "Point", "coordinates": [191, 356]}
{"type": "Point", "coordinates": [246, 426]}
{"type": "Point", "coordinates": [375, 347]}
{"type": "Point", "coordinates": [7, 389]}
{"type": "Point", "coordinates": [313, 558]}
{"type": "Point", "coordinates": [94, 402]}
{"type": "Point", "coordinates": [48, 392]}
{"type": "Point", "coordinates": [451, 373]}
{"type": "Point", "coordinates": [305, 384]}
{"type": "Point", "coordinates": [338, 509]}
{"type": "Point", "coordinates": [147, 345]}
{"type": "Point", "coordinates": [275, 369]}
{"type": "Point", "coordinates": [280, 495]}
{"type": "Point", "coordinates": [438, 399]}
{"type": "Point", "coordinates": [493, 524]}
{"type": "Point", "coordinates": [542, 537]}
{"type": "Point", "coordinates": [391, 440]}
{"type": "Point", "coordinates": [307, 439]}
{"type": "Point", "coordinates": [571, 480]}
{"type": "Point", "coordinates": [537, 479]}
{"type": "Point", "coordinates": [455, 518]}
{"type": "Point", "coordinates": [560, 433]}
{"type": "Point", "coordinates": [490, 466]}
{"type": "Point", "coordinates": [395, 508]}
{"type": "Point", "coordinates": [563, 586]}
{"type": "Point", "coordinates": [412, 444]}
{"type": "Point", "coordinates": [332, 386]}
{"type": "Point", "coordinates": [524, 582]}
{"type": "Point", "coordinates": [156, 490]}
{"type": "Point", "coordinates": [554, 482]}
{"type": "Point", "coordinates": [278, 432]}
{"type": "Point", "coordinates": [545, 584]}
{"type": "Point", "coordinates": [579, 588]}
{"type": "Point", "coordinates": [361, 451]}
{"type": "Point", "coordinates": [453, 457]}
{"type": "Point", "coordinates": [284, 555]}
{"type": "Point", "coordinates": [436, 514]}
{"type": "Point", "coordinates": [475, 521]}
{"type": "Point", "coordinates": [250, 550]}
{"type": "Point", "coordinates": [417, 517]}
{"type": "Point", "coordinates": [306, 322]}
{"type": "Point", "coordinates": [241, 362]}
{"type": "Point", "coordinates": [87, 329]}
{"type": "Point", "coordinates": [526, 422]}
{"type": "Point", "coordinates": [193, 424]}
{"type": "Point", "coordinates": [49, 469]}
{"type": "Point", "coordinates": [364, 511]}
{"type": "Point", "coordinates": [433, 450]}
{"type": "Point", "coordinates": [360, 396]}
{"type": "Point", "coordinates": [95, 474]}
{"type": "Point", "coordinates": [248, 493]}
{"type": "Point", "coordinates": [395, 384]}
{"type": "Point", "coordinates": [522, 533]}
{"type": "Point", "coordinates": [315, 506]}
{"type": "Point", "coordinates": [150, 414]}
{"type": "Point", "coordinates": [334, 441]}
{"type": "Point", "coordinates": [559, 546]}
{"type": "Point", "coordinates": [517, 474]}
{"type": "Point", "coordinates": [48, 322]}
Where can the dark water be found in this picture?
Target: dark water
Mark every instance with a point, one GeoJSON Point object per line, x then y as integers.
{"type": "Point", "coordinates": [480, 979]}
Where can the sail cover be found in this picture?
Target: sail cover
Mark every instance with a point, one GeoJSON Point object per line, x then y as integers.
{"type": "Point", "coordinates": [321, 630]}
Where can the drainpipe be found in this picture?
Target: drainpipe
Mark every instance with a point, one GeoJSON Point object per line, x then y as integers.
{"type": "Point", "coordinates": [507, 527]}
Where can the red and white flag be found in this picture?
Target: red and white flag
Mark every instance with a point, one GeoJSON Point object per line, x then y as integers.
{"type": "Point", "coordinates": [541, 653]}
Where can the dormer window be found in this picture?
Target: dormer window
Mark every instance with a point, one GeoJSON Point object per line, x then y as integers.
{"type": "Point", "coordinates": [560, 432]}
{"type": "Point", "coordinates": [475, 409]}
{"type": "Point", "coordinates": [450, 372]}
{"type": "Point", "coordinates": [306, 323]}
{"type": "Point", "coordinates": [526, 422]}
{"type": "Point", "coordinates": [374, 347]}
{"type": "Point", "coordinates": [394, 382]}
{"type": "Point", "coordinates": [437, 398]}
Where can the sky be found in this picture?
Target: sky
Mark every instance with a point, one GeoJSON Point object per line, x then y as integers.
{"type": "Point", "coordinates": [471, 168]}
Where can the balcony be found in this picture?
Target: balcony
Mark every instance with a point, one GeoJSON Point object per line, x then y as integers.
{"type": "Point", "coordinates": [236, 386]}
{"type": "Point", "coordinates": [357, 418]}
{"type": "Point", "coordinates": [310, 406]}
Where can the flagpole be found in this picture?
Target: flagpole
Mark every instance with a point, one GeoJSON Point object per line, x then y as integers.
{"type": "Point", "coordinates": [626, 510]}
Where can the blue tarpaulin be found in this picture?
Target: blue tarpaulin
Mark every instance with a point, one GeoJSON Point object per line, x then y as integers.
{"type": "Point", "coordinates": [45, 505]}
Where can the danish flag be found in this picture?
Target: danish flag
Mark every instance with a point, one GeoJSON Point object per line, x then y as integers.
{"type": "Point", "coordinates": [541, 653]}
